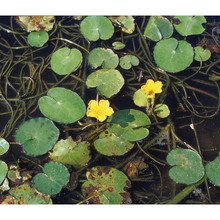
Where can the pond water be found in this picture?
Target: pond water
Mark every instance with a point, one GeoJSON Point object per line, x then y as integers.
{"type": "Point", "coordinates": [191, 94]}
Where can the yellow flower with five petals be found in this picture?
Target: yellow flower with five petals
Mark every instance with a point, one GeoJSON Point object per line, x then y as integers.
{"type": "Point", "coordinates": [151, 88]}
{"type": "Point", "coordinates": [99, 110]}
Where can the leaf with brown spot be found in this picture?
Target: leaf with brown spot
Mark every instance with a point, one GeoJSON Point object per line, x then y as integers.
{"type": "Point", "coordinates": [109, 186]}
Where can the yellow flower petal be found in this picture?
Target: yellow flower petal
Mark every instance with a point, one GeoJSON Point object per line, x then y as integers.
{"type": "Point", "coordinates": [158, 87]}
{"type": "Point", "coordinates": [99, 110]}
{"type": "Point", "coordinates": [101, 118]}
{"type": "Point", "coordinates": [151, 88]}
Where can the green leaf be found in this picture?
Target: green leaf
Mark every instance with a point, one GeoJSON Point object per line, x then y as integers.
{"type": "Point", "coordinates": [190, 25]}
{"type": "Point", "coordinates": [4, 146]}
{"type": "Point", "coordinates": [126, 126]}
{"type": "Point", "coordinates": [128, 133]}
{"type": "Point", "coordinates": [94, 28]}
{"type": "Point", "coordinates": [173, 55]}
{"type": "Point", "coordinates": [62, 105]}
{"type": "Point", "coordinates": [66, 60]}
{"type": "Point", "coordinates": [162, 110]}
{"type": "Point", "coordinates": [72, 153]}
{"type": "Point", "coordinates": [201, 54]}
{"type": "Point", "coordinates": [213, 171]}
{"type": "Point", "coordinates": [117, 45]}
{"type": "Point", "coordinates": [38, 38]}
{"type": "Point", "coordinates": [26, 194]}
{"type": "Point", "coordinates": [54, 178]}
{"type": "Point", "coordinates": [127, 24]}
{"type": "Point", "coordinates": [158, 27]}
{"type": "Point", "coordinates": [130, 117]}
{"type": "Point", "coordinates": [187, 166]}
{"type": "Point", "coordinates": [103, 57]}
{"type": "Point", "coordinates": [37, 136]}
{"type": "Point", "coordinates": [140, 98]}
{"type": "Point", "coordinates": [3, 171]}
{"type": "Point", "coordinates": [112, 144]}
{"type": "Point", "coordinates": [108, 81]}
{"type": "Point", "coordinates": [106, 185]}
{"type": "Point", "coordinates": [127, 61]}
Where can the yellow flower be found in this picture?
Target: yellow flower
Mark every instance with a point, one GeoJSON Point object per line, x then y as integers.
{"type": "Point", "coordinates": [99, 110]}
{"type": "Point", "coordinates": [151, 88]}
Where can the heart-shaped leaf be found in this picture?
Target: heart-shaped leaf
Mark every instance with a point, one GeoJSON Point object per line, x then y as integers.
{"type": "Point", "coordinates": [103, 57]}
{"type": "Point", "coordinates": [66, 60]}
{"type": "Point", "coordinates": [37, 136]}
{"type": "Point", "coordinates": [158, 27]}
{"type": "Point", "coordinates": [108, 81]}
{"type": "Point", "coordinates": [62, 105]}
{"type": "Point", "coordinates": [26, 194]}
{"type": "Point", "coordinates": [3, 171]}
{"type": "Point", "coordinates": [127, 61]}
{"type": "Point", "coordinates": [213, 171]}
{"type": "Point", "coordinates": [54, 177]}
{"type": "Point", "coordinates": [38, 38]}
{"type": "Point", "coordinates": [187, 166]}
{"type": "Point", "coordinates": [106, 185]}
{"type": "Point", "coordinates": [126, 126]}
{"type": "Point", "coordinates": [190, 25]}
{"type": "Point", "coordinates": [201, 54]}
{"type": "Point", "coordinates": [162, 110]}
{"type": "Point", "coordinates": [173, 55]}
{"type": "Point", "coordinates": [96, 27]}
{"type": "Point", "coordinates": [72, 153]}
{"type": "Point", "coordinates": [4, 146]}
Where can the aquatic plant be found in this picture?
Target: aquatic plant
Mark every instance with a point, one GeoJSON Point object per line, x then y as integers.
{"type": "Point", "coordinates": [123, 68]}
{"type": "Point", "coordinates": [106, 185]}
{"type": "Point", "coordinates": [99, 110]}
{"type": "Point", "coordinates": [54, 177]}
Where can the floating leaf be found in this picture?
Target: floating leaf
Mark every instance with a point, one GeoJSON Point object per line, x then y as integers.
{"type": "Point", "coordinates": [108, 81]}
{"type": "Point", "coordinates": [187, 166]}
{"type": "Point", "coordinates": [190, 25]}
{"type": "Point", "coordinates": [37, 136]}
{"type": "Point", "coordinates": [3, 171]}
{"type": "Point", "coordinates": [162, 110]}
{"type": "Point", "coordinates": [140, 98]}
{"type": "Point", "coordinates": [173, 55]}
{"type": "Point", "coordinates": [26, 194]}
{"type": "Point", "coordinates": [4, 146]}
{"type": "Point", "coordinates": [96, 27]}
{"type": "Point", "coordinates": [127, 61]}
{"type": "Point", "coordinates": [62, 105]}
{"type": "Point", "coordinates": [111, 144]}
{"type": "Point", "coordinates": [117, 45]}
{"type": "Point", "coordinates": [213, 170]}
{"type": "Point", "coordinates": [36, 23]}
{"type": "Point", "coordinates": [106, 185]}
{"type": "Point", "coordinates": [126, 126]}
{"type": "Point", "coordinates": [72, 153]}
{"type": "Point", "coordinates": [103, 57]}
{"type": "Point", "coordinates": [54, 178]}
{"type": "Point", "coordinates": [201, 54]}
{"type": "Point", "coordinates": [38, 39]}
{"type": "Point", "coordinates": [125, 22]}
{"type": "Point", "coordinates": [158, 27]}
{"type": "Point", "coordinates": [130, 117]}
{"type": "Point", "coordinates": [66, 60]}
